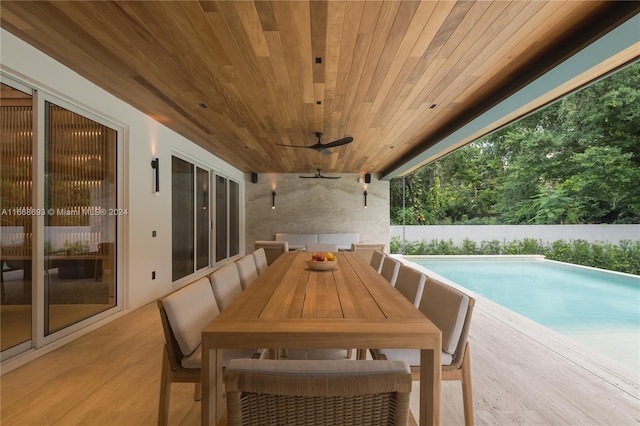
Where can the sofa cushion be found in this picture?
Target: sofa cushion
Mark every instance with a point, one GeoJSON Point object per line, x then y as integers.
{"type": "Point", "coordinates": [343, 241]}
{"type": "Point", "coordinates": [297, 241]}
{"type": "Point", "coordinates": [189, 310]}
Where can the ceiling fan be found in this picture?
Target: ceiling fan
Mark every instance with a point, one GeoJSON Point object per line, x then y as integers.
{"type": "Point", "coordinates": [319, 175]}
{"type": "Point", "coordinates": [322, 147]}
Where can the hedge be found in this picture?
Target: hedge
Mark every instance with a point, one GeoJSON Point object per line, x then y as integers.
{"type": "Point", "coordinates": [624, 257]}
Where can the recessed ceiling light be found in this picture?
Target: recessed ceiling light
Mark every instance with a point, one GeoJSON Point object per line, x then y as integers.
{"type": "Point", "coordinates": [433, 106]}
{"type": "Point", "coordinates": [202, 105]}
{"type": "Point", "coordinates": [318, 60]}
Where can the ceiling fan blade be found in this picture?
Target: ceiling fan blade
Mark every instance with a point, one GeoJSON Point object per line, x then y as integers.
{"type": "Point", "coordinates": [296, 146]}
{"type": "Point", "coordinates": [339, 142]}
{"type": "Point", "coordinates": [330, 177]}
{"type": "Point", "coordinates": [309, 177]}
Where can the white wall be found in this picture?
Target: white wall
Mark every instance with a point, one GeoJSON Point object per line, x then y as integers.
{"type": "Point", "coordinates": [144, 139]}
{"type": "Point", "coordinates": [547, 233]}
{"type": "Point", "coordinates": [316, 206]}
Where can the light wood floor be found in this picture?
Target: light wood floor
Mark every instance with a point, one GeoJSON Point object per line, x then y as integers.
{"type": "Point", "coordinates": [522, 376]}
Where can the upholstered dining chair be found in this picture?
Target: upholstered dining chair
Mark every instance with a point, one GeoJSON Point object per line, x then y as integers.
{"type": "Point", "coordinates": [450, 310]}
{"type": "Point", "coordinates": [184, 313]}
{"type": "Point", "coordinates": [390, 268]}
{"type": "Point", "coordinates": [226, 285]}
{"type": "Point", "coordinates": [273, 249]}
{"type": "Point", "coordinates": [365, 251]}
{"type": "Point", "coordinates": [260, 257]}
{"type": "Point", "coordinates": [410, 282]}
{"type": "Point", "coordinates": [376, 260]}
{"type": "Point", "coordinates": [246, 270]}
{"type": "Point", "coordinates": [292, 393]}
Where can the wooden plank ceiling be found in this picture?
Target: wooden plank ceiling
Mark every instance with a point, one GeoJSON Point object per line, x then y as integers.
{"type": "Point", "coordinates": [239, 77]}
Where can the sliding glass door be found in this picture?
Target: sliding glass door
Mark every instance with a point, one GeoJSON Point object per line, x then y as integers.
{"type": "Point", "coordinates": [80, 224]}
{"type": "Point", "coordinates": [16, 222]}
{"type": "Point", "coordinates": [202, 235]}
{"type": "Point", "coordinates": [59, 206]}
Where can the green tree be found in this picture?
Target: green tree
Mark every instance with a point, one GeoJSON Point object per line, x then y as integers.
{"type": "Point", "coordinates": [575, 161]}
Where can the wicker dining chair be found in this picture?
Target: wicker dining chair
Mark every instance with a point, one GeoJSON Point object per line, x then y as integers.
{"type": "Point", "coordinates": [332, 393]}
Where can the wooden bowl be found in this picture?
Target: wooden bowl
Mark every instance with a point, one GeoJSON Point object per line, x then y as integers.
{"type": "Point", "coordinates": [321, 266]}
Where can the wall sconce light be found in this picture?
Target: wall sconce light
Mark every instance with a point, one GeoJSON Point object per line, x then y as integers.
{"type": "Point", "coordinates": [365, 199]}
{"type": "Point", "coordinates": [273, 200]}
{"type": "Point", "coordinates": [155, 165]}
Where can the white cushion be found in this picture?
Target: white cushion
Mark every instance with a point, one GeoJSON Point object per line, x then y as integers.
{"type": "Point", "coordinates": [260, 257]}
{"type": "Point", "coordinates": [226, 285]}
{"type": "Point", "coordinates": [412, 356]}
{"type": "Point", "coordinates": [247, 270]}
{"type": "Point", "coordinates": [297, 241]}
{"type": "Point", "coordinates": [189, 310]}
{"type": "Point", "coordinates": [343, 240]}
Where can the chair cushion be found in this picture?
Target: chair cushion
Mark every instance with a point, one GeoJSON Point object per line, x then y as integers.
{"type": "Point", "coordinates": [319, 368]}
{"type": "Point", "coordinates": [226, 285]}
{"type": "Point", "coordinates": [247, 270]}
{"type": "Point", "coordinates": [189, 310]}
{"type": "Point", "coordinates": [376, 260]}
{"type": "Point", "coordinates": [412, 356]}
{"type": "Point", "coordinates": [446, 307]}
{"type": "Point", "coordinates": [390, 268]}
{"type": "Point", "coordinates": [410, 283]}
{"type": "Point", "coordinates": [260, 257]}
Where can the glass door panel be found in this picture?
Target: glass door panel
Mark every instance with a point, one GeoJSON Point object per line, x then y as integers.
{"type": "Point", "coordinates": [16, 219]}
{"type": "Point", "coordinates": [202, 220]}
{"type": "Point", "coordinates": [80, 224]}
{"type": "Point", "coordinates": [182, 219]}
{"type": "Point", "coordinates": [221, 219]}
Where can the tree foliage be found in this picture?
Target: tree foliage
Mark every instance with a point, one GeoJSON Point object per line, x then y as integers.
{"type": "Point", "coordinates": [575, 161]}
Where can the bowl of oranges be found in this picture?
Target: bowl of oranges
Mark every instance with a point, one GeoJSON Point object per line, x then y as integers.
{"type": "Point", "coordinates": [322, 261]}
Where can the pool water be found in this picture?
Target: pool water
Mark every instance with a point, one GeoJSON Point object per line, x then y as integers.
{"type": "Point", "coordinates": [600, 309]}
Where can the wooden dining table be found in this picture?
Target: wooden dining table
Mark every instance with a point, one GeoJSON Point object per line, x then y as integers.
{"type": "Point", "coordinates": [291, 306]}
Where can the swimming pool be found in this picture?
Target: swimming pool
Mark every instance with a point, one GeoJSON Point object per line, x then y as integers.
{"type": "Point", "coordinates": [598, 308]}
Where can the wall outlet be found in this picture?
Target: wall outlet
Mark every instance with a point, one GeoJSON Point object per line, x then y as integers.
{"type": "Point", "coordinates": [153, 275]}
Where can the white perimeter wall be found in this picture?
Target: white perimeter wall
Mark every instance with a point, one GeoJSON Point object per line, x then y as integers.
{"type": "Point", "coordinates": [144, 139]}
{"type": "Point", "coordinates": [547, 233]}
